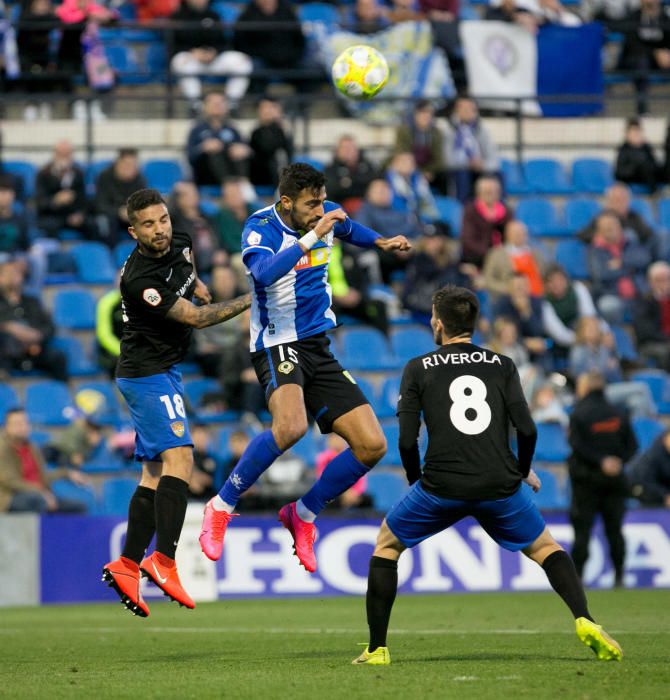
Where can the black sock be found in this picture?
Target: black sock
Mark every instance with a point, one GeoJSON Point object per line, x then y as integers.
{"type": "Point", "coordinates": [141, 523]}
{"type": "Point", "coordinates": [171, 496]}
{"type": "Point", "coordinates": [562, 575]}
{"type": "Point", "coordinates": [382, 587]}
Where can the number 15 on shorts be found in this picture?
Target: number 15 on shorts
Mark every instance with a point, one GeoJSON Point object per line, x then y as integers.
{"type": "Point", "coordinates": [174, 406]}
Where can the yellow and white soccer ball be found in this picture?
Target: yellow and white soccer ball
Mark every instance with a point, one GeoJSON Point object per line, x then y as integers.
{"type": "Point", "coordinates": [360, 72]}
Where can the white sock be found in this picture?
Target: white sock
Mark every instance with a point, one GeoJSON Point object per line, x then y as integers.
{"type": "Point", "coordinates": [304, 513]}
{"type": "Point", "coordinates": [219, 504]}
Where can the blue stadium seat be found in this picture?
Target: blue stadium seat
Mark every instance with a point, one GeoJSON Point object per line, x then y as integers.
{"type": "Point", "coordinates": [319, 12]}
{"type": "Point", "coordinates": [47, 403]}
{"type": "Point", "coordinates": [547, 176]}
{"type": "Point", "coordinates": [410, 341]}
{"type": "Point", "coordinates": [450, 211]}
{"type": "Point", "coordinates": [541, 217]}
{"type": "Point", "coordinates": [8, 399]}
{"type": "Point", "coordinates": [308, 447]}
{"type": "Point", "coordinates": [227, 11]}
{"type": "Point", "coordinates": [79, 364]}
{"type": "Point", "coordinates": [572, 256]}
{"type": "Point", "coordinates": [314, 162]}
{"type": "Point", "coordinates": [592, 175]}
{"type": "Point", "coordinates": [64, 488]}
{"type": "Point", "coordinates": [386, 488]}
{"type": "Point", "coordinates": [103, 461]}
{"type": "Point", "coordinates": [366, 349]}
{"type": "Point", "coordinates": [388, 397]}
{"type": "Point", "coordinates": [94, 263]}
{"type": "Point", "coordinates": [664, 212]}
{"type": "Point", "coordinates": [155, 61]}
{"type": "Point", "coordinates": [625, 347]}
{"type": "Point", "coordinates": [514, 180]}
{"type": "Point", "coordinates": [162, 174]}
{"type": "Point", "coordinates": [116, 494]}
{"type": "Point", "coordinates": [92, 172]}
{"type": "Point", "coordinates": [123, 59]}
{"type": "Point", "coordinates": [552, 443]}
{"type": "Point", "coordinates": [109, 411]}
{"type": "Point", "coordinates": [657, 381]}
{"type": "Point", "coordinates": [644, 209]}
{"type": "Point", "coordinates": [579, 211]}
{"type": "Point", "coordinates": [646, 431]}
{"type": "Point", "coordinates": [550, 496]}
{"type": "Point", "coordinates": [122, 250]}
{"type": "Point", "coordinates": [196, 389]}
{"type": "Point", "coordinates": [392, 432]}
{"type": "Point", "coordinates": [74, 309]}
{"type": "Point", "coordinates": [25, 171]}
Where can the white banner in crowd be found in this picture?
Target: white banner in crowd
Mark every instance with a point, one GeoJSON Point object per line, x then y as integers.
{"type": "Point", "coordinates": [500, 61]}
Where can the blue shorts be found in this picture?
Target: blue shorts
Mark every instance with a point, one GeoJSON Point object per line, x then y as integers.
{"type": "Point", "coordinates": [156, 406]}
{"type": "Point", "coordinates": [513, 522]}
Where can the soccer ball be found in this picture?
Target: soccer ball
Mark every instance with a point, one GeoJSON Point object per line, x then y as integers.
{"type": "Point", "coordinates": [360, 72]}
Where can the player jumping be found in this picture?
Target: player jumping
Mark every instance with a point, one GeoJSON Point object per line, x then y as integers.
{"type": "Point", "coordinates": [468, 396]}
{"type": "Point", "coordinates": [286, 248]}
{"type": "Point", "coordinates": [157, 282]}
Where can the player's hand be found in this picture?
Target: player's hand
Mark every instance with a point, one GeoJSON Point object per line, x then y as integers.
{"type": "Point", "coordinates": [327, 221]}
{"type": "Point", "coordinates": [398, 243]}
{"type": "Point", "coordinates": [611, 466]}
{"type": "Point", "coordinates": [201, 292]}
{"type": "Point", "coordinates": [533, 480]}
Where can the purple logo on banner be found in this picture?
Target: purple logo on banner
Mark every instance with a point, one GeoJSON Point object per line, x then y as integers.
{"type": "Point", "coordinates": [257, 559]}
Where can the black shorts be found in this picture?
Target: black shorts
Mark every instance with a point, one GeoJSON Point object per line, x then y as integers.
{"type": "Point", "coordinates": [330, 391]}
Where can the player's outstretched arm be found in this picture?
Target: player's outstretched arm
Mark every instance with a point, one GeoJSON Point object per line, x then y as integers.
{"type": "Point", "coordinates": [210, 314]}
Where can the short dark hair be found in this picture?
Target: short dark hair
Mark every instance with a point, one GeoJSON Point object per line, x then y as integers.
{"type": "Point", "coordinates": [141, 200]}
{"type": "Point", "coordinates": [421, 105]}
{"type": "Point", "coordinates": [13, 410]}
{"type": "Point", "coordinates": [555, 269]}
{"type": "Point", "coordinates": [124, 152]}
{"type": "Point", "coordinates": [457, 308]}
{"type": "Point", "coordinates": [7, 182]}
{"type": "Point", "coordinates": [298, 177]}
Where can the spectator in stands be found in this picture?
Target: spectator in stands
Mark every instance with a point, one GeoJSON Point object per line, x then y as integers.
{"type": "Point", "coordinates": [526, 312]}
{"type": "Point", "coordinates": [616, 265]}
{"type": "Point", "coordinates": [617, 200]}
{"type": "Point", "coordinates": [514, 257]}
{"type": "Point", "coordinates": [203, 52]}
{"type": "Point", "coordinates": [215, 148]}
{"type": "Point", "coordinates": [187, 215]}
{"type": "Point", "coordinates": [148, 10]}
{"type": "Point", "coordinates": [25, 484]}
{"type": "Point", "coordinates": [649, 474]}
{"type": "Point", "coordinates": [349, 175]}
{"type": "Point", "coordinates": [115, 184]}
{"type": "Point", "coordinates": [506, 341]}
{"type": "Point", "coordinates": [646, 46]}
{"type": "Point", "coordinates": [470, 150]}
{"type": "Point", "coordinates": [636, 163]}
{"type": "Point", "coordinates": [271, 144]}
{"type": "Point", "coordinates": [593, 351]}
{"type": "Point", "coordinates": [60, 193]}
{"type": "Point", "coordinates": [608, 12]}
{"type": "Point", "coordinates": [354, 497]}
{"type": "Point", "coordinates": [566, 301]}
{"type": "Point", "coordinates": [411, 191]}
{"type": "Point", "coordinates": [602, 441]}
{"type": "Point", "coordinates": [349, 284]}
{"type": "Point", "coordinates": [109, 329]}
{"type": "Point", "coordinates": [201, 485]}
{"type": "Point", "coordinates": [515, 11]}
{"type": "Point", "coordinates": [270, 48]}
{"type": "Point", "coordinates": [26, 328]}
{"type": "Point", "coordinates": [235, 209]}
{"type": "Point", "coordinates": [367, 17]}
{"type": "Point", "coordinates": [422, 137]}
{"type": "Point", "coordinates": [484, 220]}
{"type": "Point", "coordinates": [216, 343]}
{"type": "Point", "coordinates": [237, 444]}
{"type": "Point", "coordinates": [14, 229]}
{"type": "Point", "coordinates": [433, 266]}
{"type": "Point", "coordinates": [651, 317]}
{"type": "Point", "coordinates": [546, 407]}
{"type": "Point", "coordinates": [377, 213]}
{"type": "Point", "coordinates": [443, 17]}
{"type": "Point", "coordinates": [80, 440]}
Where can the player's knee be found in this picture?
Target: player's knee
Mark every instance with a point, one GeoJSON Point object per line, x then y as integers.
{"type": "Point", "coordinates": [372, 450]}
{"type": "Point", "coordinates": [287, 434]}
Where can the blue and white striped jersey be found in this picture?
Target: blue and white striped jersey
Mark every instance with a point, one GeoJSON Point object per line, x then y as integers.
{"type": "Point", "coordinates": [298, 304]}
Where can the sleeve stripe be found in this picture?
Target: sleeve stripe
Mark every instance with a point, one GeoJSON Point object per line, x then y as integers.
{"type": "Point", "coordinates": [256, 247]}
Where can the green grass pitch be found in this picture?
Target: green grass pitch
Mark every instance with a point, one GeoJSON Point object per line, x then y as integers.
{"type": "Point", "coordinates": [515, 645]}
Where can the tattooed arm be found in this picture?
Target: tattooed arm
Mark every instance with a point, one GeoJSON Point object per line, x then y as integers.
{"type": "Point", "coordinates": [202, 316]}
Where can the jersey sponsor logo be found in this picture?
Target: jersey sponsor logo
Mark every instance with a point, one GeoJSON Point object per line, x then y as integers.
{"type": "Point", "coordinates": [182, 290]}
{"type": "Point", "coordinates": [187, 254]}
{"type": "Point", "coordinates": [286, 367]}
{"type": "Point", "coordinates": [316, 257]}
{"type": "Point", "coordinates": [254, 238]}
{"type": "Point", "coordinates": [460, 358]}
{"type": "Point", "coordinates": [611, 425]}
{"type": "Point", "coordinates": [178, 428]}
{"type": "Point", "coordinates": [152, 297]}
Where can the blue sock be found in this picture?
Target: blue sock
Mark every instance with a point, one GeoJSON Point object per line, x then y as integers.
{"type": "Point", "coordinates": [261, 452]}
{"type": "Point", "coordinates": [339, 475]}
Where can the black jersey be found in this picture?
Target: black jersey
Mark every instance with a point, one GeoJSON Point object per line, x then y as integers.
{"type": "Point", "coordinates": [152, 343]}
{"type": "Point", "coordinates": [467, 395]}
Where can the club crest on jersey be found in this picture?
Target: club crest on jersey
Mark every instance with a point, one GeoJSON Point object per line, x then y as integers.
{"type": "Point", "coordinates": [187, 254]}
{"type": "Point", "coordinates": [178, 428]}
{"type": "Point", "coordinates": [286, 367]}
{"type": "Point", "coordinates": [152, 297]}
{"type": "Point", "coordinates": [253, 238]}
